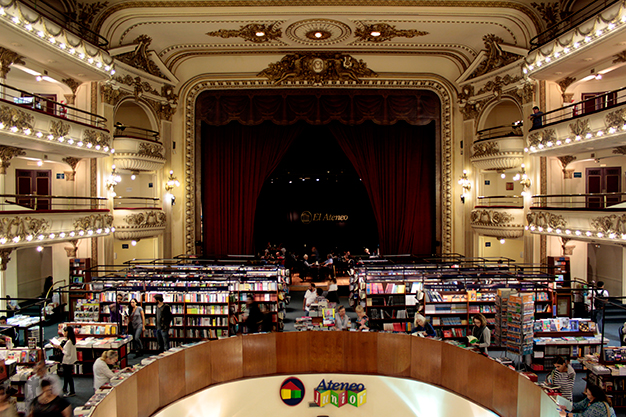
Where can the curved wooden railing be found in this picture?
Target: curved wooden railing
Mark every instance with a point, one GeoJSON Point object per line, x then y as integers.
{"type": "Point", "coordinates": [470, 375]}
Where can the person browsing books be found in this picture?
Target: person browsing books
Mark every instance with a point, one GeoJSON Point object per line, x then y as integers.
{"type": "Point", "coordinates": [48, 404]}
{"type": "Point", "coordinates": [481, 333]}
{"type": "Point", "coordinates": [309, 298]}
{"type": "Point", "coordinates": [597, 404]}
{"type": "Point", "coordinates": [563, 376]}
{"type": "Point", "coordinates": [136, 326]}
{"type": "Point", "coordinates": [102, 374]}
{"type": "Point", "coordinates": [163, 322]}
{"type": "Point", "coordinates": [32, 388]}
{"type": "Point", "coordinates": [423, 327]}
{"type": "Point", "coordinates": [69, 359]}
{"type": "Point", "coordinates": [342, 321]}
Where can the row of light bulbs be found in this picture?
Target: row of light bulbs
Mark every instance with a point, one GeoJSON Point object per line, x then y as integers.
{"type": "Point", "coordinates": [28, 27]}
{"type": "Point", "coordinates": [60, 139]}
{"type": "Point", "coordinates": [61, 235]}
{"type": "Point", "coordinates": [586, 40]}
{"type": "Point", "coordinates": [577, 138]}
{"type": "Point", "coordinates": [558, 231]}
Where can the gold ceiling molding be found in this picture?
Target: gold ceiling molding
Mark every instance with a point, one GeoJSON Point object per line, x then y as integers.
{"type": "Point", "coordinates": [10, 117]}
{"type": "Point", "coordinates": [490, 217]}
{"type": "Point", "coordinates": [318, 32]}
{"type": "Point", "coordinates": [253, 32]}
{"type": "Point", "coordinates": [317, 68]}
{"type": "Point", "coordinates": [522, 8]}
{"type": "Point", "coordinates": [497, 83]}
{"type": "Point", "coordinates": [496, 57]}
{"type": "Point", "coordinates": [6, 154]}
{"type": "Point", "coordinates": [380, 32]}
{"type": "Point", "coordinates": [152, 218]}
{"type": "Point", "coordinates": [85, 13]}
{"type": "Point", "coordinates": [139, 57]}
{"type": "Point", "coordinates": [8, 58]}
{"type": "Point", "coordinates": [18, 228]}
{"type": "Point", "coordinates": [552, 13]}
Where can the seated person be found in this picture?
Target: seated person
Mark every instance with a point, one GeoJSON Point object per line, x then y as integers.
{"type": "Point", "coordinates": [327, 266]}
{"type": "Point", "coordinates": [342, 321]}
{"type": "Point", "coordinates": [320, 297]}
{"type": "Point", "coordinates": [362, 321]}
{"type": "Point", "coordinates": [422, 326]}
{"type": "Point", "coordinates": [306, 268]}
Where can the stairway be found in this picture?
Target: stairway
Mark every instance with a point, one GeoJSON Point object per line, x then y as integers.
{"type": "Point", "coordinates": [615, 313]}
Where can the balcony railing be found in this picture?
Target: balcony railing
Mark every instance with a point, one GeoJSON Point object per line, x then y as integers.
{"type": "Point", "coordinates": [130, 203]}
{"type": "Point", "coordinates": [570, 22]}
{"type": "Point", "coordinates": [591, 201]}
{"type": "Point", "coordinates": [67, 20]}
{"type": "Point", "coordinates": [501, 201]}
{"type": "Point", "coordinates": [135, 132]}
{"type": "Point", "coordinates": [34, 203]}
{"type": "Point", "coordinates": [31, 101]}
{"type": "Point", "coordinates": [514, 129]}
{"type": "Point", "coordinates": [585, 107]}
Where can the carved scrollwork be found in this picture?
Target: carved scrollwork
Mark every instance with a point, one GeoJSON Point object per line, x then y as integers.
{"type": "Point", "coordinates": [620, 150]}
{"type": "Point", "coordinates": [148, 219]}
{"type": "Point", "coordinates": [619, 57]}
{"type": "Point", "coordinates": [490, 217]}
{"type": "Point", "coordinates": [154, 150]}
{"type": "Point", "coordinates": [615, 223]}
{"type": "Point", "coordinates": [111, 95]}
{"type": "Point", "coordinates": [8, 58]}
{"type": "Point", "coordinates": [6, 154]}
{"type": "Point", "coordinates": [580, 127]}
{"type": "Point", "coordinates": [253, 32]}
{"type": "Point", "coordinates": [5, 258]}
{"type": "Point", "coordinates": [384, 32]}
{"type": "Point", "coordinates": [93, 222]}
{"type": "Point", "coordinates": [19, 228]}
{"type": "Point", "coordinates": [96, 138]}
{"type": "Point", "coordinates": [542, 137]}
{"type": "Point", "coordinates": [545, 219]}
{"type": "Point", "coordinates": [58, 128]}
{"type": "Point", "coordinates": [615, 118]}
{"type": "Point", "coordinates": [317, 68]}
{"type": "Point", "coordinates": [139, 57]}
{"type": "Point", "coordinates": [10, 116]}
{"type": "Point", "coordinates": [525, 93]}
{"type": "Point", "coordinates": [496, 57]}
{"type": "Point", "coordinates": [483, 149]}
{"type": "Point", "coordinates": [497, 83]}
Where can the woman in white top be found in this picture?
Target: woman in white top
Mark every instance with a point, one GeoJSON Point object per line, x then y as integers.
{"type": "Point", "coordinates": [102, 374]}
{"type": "Point", "coordinates": [69, 359]}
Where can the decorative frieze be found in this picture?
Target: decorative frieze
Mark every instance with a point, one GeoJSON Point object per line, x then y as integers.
{"type": "Point", "coordinates": [542, 137]}
{"type": "Point", "coordinates": [485, 148]}
{"type": "Point", "coordinates": [139, 57]}
{"type": "Point", "coordinates": [93, 222]}
{"type": "Point", "coordinates": [5, 257]}
{"type": "Point", "coordinates": [486, 217]}
{"type": "Point", "coordinates": [18, 229]}
{"type": "Point", "coordinates": [496, 57]}
{"type": "Point", "coordinates": [59, 129]}
{"type": "Point", "coordinates": [615, 118]}
{"type": "Point", "coordinates": [380, 32]}
{"type": "Point", "coordinates": [253, 32]}
{"type": "Point", "coordinates": [152, 218]}
{"type": "Point", "coordinates": [96, 139]}
{"type": "Point", "coordinates": [580, 127]}
{"type": "Point", "coordinates": [615, 223]}
{"type": "Point", "coordinates": [111, 94]}
{"type": "Point", "coordinates": [154, 150]}
{"type": "Point", "coordinates": [16, 118]}
{"type": "Point", "coordinates": [8, 58]}
{"type": "Point", "coordinates": [545, 219]}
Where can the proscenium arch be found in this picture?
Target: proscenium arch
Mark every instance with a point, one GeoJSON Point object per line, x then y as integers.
{"type": "Point", "coordinates": [190, 91]}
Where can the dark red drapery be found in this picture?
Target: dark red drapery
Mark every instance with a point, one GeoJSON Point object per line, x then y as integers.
{"type": "Point", "coordinates": [397, 166]}
{"type": "Point", "coordinates": [236, 161]}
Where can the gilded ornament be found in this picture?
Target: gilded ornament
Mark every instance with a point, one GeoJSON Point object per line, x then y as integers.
{"type": "Point", "coordinates": [96, 138]}
{"type": "Point", "coordinates": [317, 68]}
{"type": "Point", "coordinates": [58, 128]}
{"type": "Point", "coordinates": [139, 57]}
{"type": "Point", "coordinates": [72, 84]}
{"type": "Point", "coordinates": [155, 218]}
{"type": "Point", "coordinates": [154, 150]}
{"type": "Point", "coordinates": [466, 93]}
{"type": "Point", "coordinates": [496, 57]}
{"type": "Point", "coordinates": [72, 162]}
{"type": "Point", "coordinates": [580, 127]}
{"type": "Point", "coordinates": [490, 217]}
{"type": "Point", "coordinates": [566, 160]}
{"type": "Point", "coordinates": [93, 222]}
{"type": "Point", "coordinates": [619, 57]}
{"type": "Point", "coordinates": [5, 258]}
{"type": "Point", "coordinates": [552, 13]}
{"type": "Point", "coordinates": [545, 219]}
{"type": "Point", "coordinates": [381, 32]}
{"type": "Point", "coordinates": [615, 223]}
{"type": "Point", "coordinates": [85, 13]}
{"type": "Point", "coordinates": [615, 118]}
{"type": "Point", "coordinates": [19, 228]}
{"type": "Point", "coordinates": [620, 150]}
{"type": "Point", "coordinates": [525, 93]}
{"type": "Point", "coordinates": [484, 149]}
{"type": "Point", "coordinates": [10, 116]}
{"type": "Point", "coordinates": [496, 84]}
{"type": "Point", "coordinates": [564, 83]}
{"type": "Point", "coordinates": [6, 154]}
{"type": "Point", "coordinates": [8, 58]}
{"type": "Point", "coordinates": [470, 110]}
{"type": "Point", "coordinates": [253, 32]}
{"type": "Point", "coordinates": [111, 95]}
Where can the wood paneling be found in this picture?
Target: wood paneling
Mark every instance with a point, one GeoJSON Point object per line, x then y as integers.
{"type": "Point", "coordinates": [227, 359]}
{"type": "Point", "coordinates": [147, 390]}
{"type": "Point", "coordinates": [454, 370]}
{"type": "Point", "coordinates": [108, 407]}
{"type": "Point", "coordinates": [361, 352]}
{"type": "Point", "coordinates": [426, 360]}
{"type": "Point", "coordinates": [198, 367]}
{"type": "Point", "coordinates": [505, 395]}
{"type": "Point", "coordinates": [171, 379]}
{"type": "Point", "coordinates": [531, 406]}
{"type": "Point", "coordinates": [480, 386]}
{"type": "Point", "coordinates": [394, 354]}
{"type": "Point", "coordinates": [127, 398]}
{"type": "Point", "coordinates": [327, 353]}
{"type": "Point", "coordinates": [259, 355]}
{"type": "Point", "coordinates": [294, 351]}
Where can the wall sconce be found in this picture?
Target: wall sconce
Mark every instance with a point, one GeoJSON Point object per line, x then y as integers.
{"type": "Point", "coordinates": [466, 184]}
{"type": "Point", "coordinates": [113, 180]}
{"type": "Point", "coordinates": [169, 186]}
{"type": "Point", "coordinates": [523, 179]}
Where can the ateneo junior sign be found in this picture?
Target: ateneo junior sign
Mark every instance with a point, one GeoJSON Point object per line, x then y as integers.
{"type": "Point", "coordinates": [340, 394]}
{"type": "Point", "coordinates": [307, 217]}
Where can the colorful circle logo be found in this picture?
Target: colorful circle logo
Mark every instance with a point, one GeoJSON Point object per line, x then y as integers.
{"type": "Point", "coordinates": [292, 391]}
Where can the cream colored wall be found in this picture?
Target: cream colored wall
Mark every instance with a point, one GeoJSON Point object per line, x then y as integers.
{"type": "Point", "coordinates": [32, 268]}
{"type": "Point", "coordinates": [60, 187]}
{"type": "Point", "coordinates": [559, 185]}
{"type": "Point", "coordinates": [145, 249]}
{"type": "Point", "coordinates": [131, 114]}
{"type": "Point", "coordinates": [605, 263]}
{"type": "Point", "coordinates": [503, 114]}
{"type": "Point", "coordinates": [497, 185]}
{"type": "Point", "coordinates": [511, 248]}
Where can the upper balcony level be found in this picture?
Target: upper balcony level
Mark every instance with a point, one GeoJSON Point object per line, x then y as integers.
{"type": "Point", "coordinates": [29, 121]}
{"type": "Point", "coordinates": [137, 149]}
{"type": "Point", "coordinates": [588, 217]}
{"type": "Point", "coordinates": [43, 33]}
{"type": "Point", "coordinates": [32, 220]}
{"type": "Point", "coordinates": [499, 147]}
{"type": "Point", "coordinates": [499, 216]}
{"type": "Point", "coordinates": [568, 47]}
{"type": "Point", "coordinates": [138, 217]}
{"type": "Point", "coordinates": [593, 124]}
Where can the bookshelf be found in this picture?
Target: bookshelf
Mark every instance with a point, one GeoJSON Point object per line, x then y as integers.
{"type": "Point", "coordinates": [390, 304]}
{"type": "Point", "coordinates": [79, 277]}
{"type": "Point", "coordinates": [609, 372]}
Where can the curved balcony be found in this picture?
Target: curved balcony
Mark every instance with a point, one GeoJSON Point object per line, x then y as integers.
{"type": "Point", "coordinates": [138, 218]}
{"type": "Point", "coordinates": [499, 147]}
{"type": "Point", "coordinates": [39, 30]}
{"type": "Point", "coordinates": [137, 149]}
{"type": "Point", "coordinates": [30, 220]}
{"type": "Point", "coordinates": [596, 123]}
{"type": "Point", "coordinates": [588, 217]}
{"type": "Point", "coordinates": [499, 216]}
{"type": "Point", "coordinates": [29, 121]}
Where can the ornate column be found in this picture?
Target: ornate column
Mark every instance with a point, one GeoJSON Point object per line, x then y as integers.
{"type": "Point", "coordinates": [7, 58]}
{"type": "Point", "coordinates": [72, 162]}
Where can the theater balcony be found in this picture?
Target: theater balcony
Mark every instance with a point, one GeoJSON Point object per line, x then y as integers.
{"type": "Point", "coordinates": [567, 47]}
{"type": "Point", "coordinates": [29, 121]}
{"type": "Point", "coordinates": [499, 216]}
{"type": "Point", "coordinates": [137, 149]}
{"type": "Point", "coordinates": [54, 39]}
{"type": "Point", "coordinates": [590, 125]}
{"type": "Point", "coordinates": [599, 218]}
{"type": "Point", "coordinates": [499, 147]}
{"type": "Point", "coordinates": [138, 218]}
{"type": "Point", "coordinates": [32, 220]}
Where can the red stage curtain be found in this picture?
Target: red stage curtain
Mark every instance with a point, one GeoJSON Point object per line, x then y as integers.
{"type": "Point", "coordinates": [397, 166]}
{"type": "Point", "coordinates": [236, 161]}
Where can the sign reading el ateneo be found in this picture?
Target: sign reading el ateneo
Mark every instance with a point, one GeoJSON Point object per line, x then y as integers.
{"type": "Point", "coordinates": [307, 217]}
